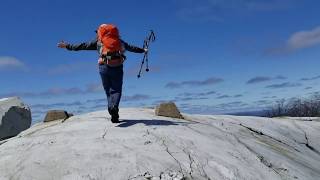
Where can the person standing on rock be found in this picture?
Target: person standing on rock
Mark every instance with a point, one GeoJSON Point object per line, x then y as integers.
{"type": "Point", "coordinates": [111, 57]}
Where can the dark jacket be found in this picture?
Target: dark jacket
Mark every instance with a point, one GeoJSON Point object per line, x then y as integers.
{"type": "Point", "coordinates": [93, 45]}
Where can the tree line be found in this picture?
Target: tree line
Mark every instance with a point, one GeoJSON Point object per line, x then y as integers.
{"type": "Point", "coordinates": [296, 107]}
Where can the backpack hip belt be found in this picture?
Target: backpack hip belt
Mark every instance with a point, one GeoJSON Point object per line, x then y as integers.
{"type": "Point", "coordinates": [113, 59]}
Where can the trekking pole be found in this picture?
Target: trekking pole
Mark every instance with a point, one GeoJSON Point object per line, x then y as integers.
{"type": "Point", "coordinates": [150, 38]}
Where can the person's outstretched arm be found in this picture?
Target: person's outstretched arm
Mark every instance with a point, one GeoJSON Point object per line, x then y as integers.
{"type": "Point", "coordinates": [92, 45]}
{"type": "Point", "coordinates": [132, 48]}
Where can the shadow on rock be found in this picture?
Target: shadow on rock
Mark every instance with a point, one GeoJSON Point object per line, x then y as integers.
{"type": "Point", "coordinates": [155, 122]}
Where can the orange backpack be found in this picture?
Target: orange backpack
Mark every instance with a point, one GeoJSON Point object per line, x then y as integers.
{"type": "Point", "coordinates": [111, 47]}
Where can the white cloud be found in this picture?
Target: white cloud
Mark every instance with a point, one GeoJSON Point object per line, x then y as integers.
{"type": "Point", "coordinates": [7, 62]}
{"type": "Point", "coordinates": [304, 39]}
{"type": "Point", "coordinates": [297, 41]}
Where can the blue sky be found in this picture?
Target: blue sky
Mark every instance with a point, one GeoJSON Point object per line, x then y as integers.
{"type": "Point", "coordinates": [211, 56]}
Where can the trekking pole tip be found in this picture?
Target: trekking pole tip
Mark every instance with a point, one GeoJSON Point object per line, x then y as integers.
{"type": "Point", "coordinates": [147, 69]}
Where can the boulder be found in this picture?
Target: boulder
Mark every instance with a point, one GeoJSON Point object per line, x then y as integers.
{"type": "Point", "coordinates": [54, 115]}
{"type": "Point", "coordinates": [15, 117]}
{"type": "Point", "coordinates": [168, 110]}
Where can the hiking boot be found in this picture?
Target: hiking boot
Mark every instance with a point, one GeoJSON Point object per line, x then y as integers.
{"type": "Point", "coordinates": [115, 120]}
{"type": "Point", "coordinates": [114, 112]}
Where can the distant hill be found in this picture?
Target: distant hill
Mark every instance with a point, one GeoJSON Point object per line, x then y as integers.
{"type": "Point", "coordinates": [260, 113]}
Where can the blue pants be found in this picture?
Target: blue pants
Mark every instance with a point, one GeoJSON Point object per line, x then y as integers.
{"type": "Point", "coordinates": [112, 79]}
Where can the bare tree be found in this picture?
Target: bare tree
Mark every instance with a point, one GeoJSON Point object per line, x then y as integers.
{"type": "Point", "coordinates": [296, 107]}
{"type": "Point", "coordinates": [278, 109]}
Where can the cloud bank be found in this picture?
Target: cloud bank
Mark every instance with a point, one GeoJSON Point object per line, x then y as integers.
{"type": "Point", "coordinates": [283, 85]}
{"type": "Point", "coordinates": [58, 91]}
{"type": "Point", "coordinates": [206, 82]}
{"type": "Point", "coordinates": [260, 79]}
{"type": "Point", "coordinates": [310, 78]}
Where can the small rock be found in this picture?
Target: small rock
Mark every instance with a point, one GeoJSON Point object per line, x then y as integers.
{"type": "Point", "coordinates": [147, 175]}
{"type": "Point", "coordinates": [147, 142]}
{"type": "Point", "coordinates": [54, 115]}
{"type": "Point", "coordinates": [168, 110]}
{"type": "Point", "coordinates": [171, 176]}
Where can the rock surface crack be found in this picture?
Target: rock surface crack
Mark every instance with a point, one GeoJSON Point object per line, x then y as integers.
{"type": "Point", "coordinates": [262, 134]}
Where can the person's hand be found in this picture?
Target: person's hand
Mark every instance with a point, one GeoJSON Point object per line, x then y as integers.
{"type": "Point", "coordinates": [145, 50]}
{"type": "Point", "coordinates": [100, 61]}
{"type": "Point", "coordinates": [62, 44]}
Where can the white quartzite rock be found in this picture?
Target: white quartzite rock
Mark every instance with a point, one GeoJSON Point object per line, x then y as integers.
{"type": "Point", "coordinates": [148, 147]}
{"type": "Point", "coordinates": [15, 117]}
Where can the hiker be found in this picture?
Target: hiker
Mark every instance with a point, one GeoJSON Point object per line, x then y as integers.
{"type": "Point", "coordinates": [111, 57]}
